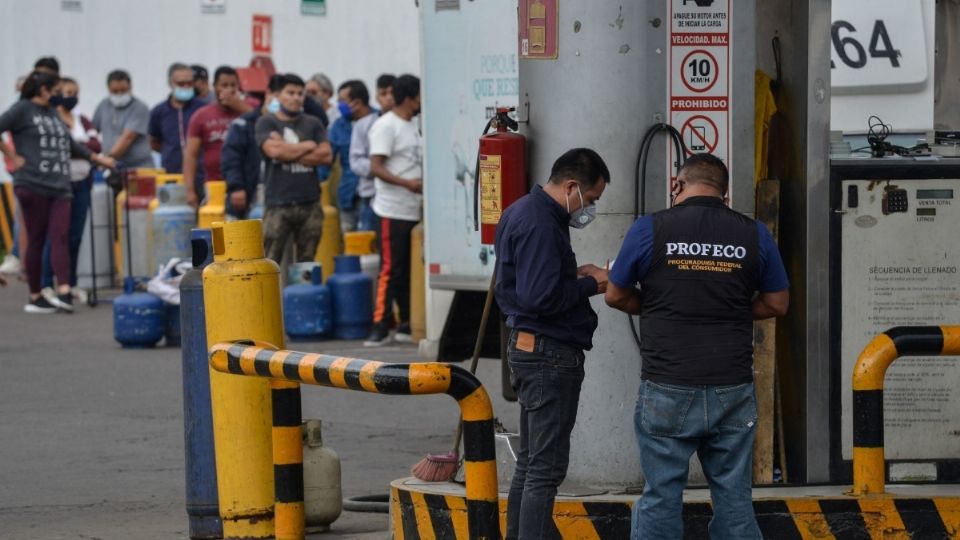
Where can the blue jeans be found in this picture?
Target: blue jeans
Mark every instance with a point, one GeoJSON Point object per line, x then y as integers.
{"type": "Point", "coordinates": [547, 381]}
{"type": "Point", "coordinates": [718, 423]}
{"type": "Point", "coordinates": [78, 219]}
{"type": "Point", "coordinates": [358, 218]}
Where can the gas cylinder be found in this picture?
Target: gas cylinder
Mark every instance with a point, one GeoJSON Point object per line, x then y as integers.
{"type": "Point", "coordinates": [171, 330]}
{"type": "Point", "coordinates": [322, 495]}
{"type": "Point", "coordinates": [214, 201]}
{"type": "Point", "coordinates": [352, 299]}
{"type": "Point", "coordinates": [139, 318]}
{"type": "Point", "coordinates": [95, 255]}
{"type": "Point", "coordinates": [307, 307]}
{"type": "Point", "coordinates": [359, 243]}
{"type": "Point", "coordinates": [418, 286]}
{"type": "Point", "coordinates": [201, 473]}
{"type": "Point", "coordinates": [140, 190]}
{"type": "Point", "coordinates": [329, 246]}
{"type": "Point", "coordinates": [164, 180]}
{"type": "Point", "coordinates": [241, 299]}
{"type": "Point", "coordinates": [172, 221]}
{"type": "Point", "coordinates": [364, 244]}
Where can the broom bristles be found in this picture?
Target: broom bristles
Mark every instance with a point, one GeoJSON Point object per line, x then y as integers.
{"type": "Point", "coordinates": [436, 467]}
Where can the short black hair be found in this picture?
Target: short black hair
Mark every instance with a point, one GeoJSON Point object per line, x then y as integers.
{"type": "Point", "coordinates": [288, 79]}
{"type": "Point", "coordinates": [275, 84]}
{"type": "Point", "coordinates": [224, 71]}
{"type": "Point", "coordinates": [47, 62]}
{"type": "Point", "coordinates": [68, 80]}
{"type": "Point", "coordinates": [356, 90]}
{"type": "Point", "coordinates": [581, 164]}
{"type": "Point", "coordinates": [707, 169]}
{"type": "Point", "coordinates": [37, 80]}
{"type": "Point", "coordinates": [405, 87]}
{"type": "Point", "coordinates": [174, 67]}
{"type": "Point", "coordinates": [117, 75]}
{"type": "Point", "coordinates": [385, 81]}
{"type": "Point", "coordinates": [199, 72]}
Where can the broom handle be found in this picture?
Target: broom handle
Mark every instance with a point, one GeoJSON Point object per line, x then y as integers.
{"type": "Point", "coordinates": [481, 333]}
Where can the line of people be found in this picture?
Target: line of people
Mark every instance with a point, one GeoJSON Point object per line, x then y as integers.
{"type": "Point", "coordinates": [284, 135]}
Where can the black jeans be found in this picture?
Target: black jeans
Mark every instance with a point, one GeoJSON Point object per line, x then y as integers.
{"type": "Point", "coordinates": [547, 382]}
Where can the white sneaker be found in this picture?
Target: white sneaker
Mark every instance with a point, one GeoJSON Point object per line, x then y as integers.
{"type": "Point", "coordinates": [10, 265]}
{"type": "Point", "coordinates": [80, 295]}
{"type": "Point", "coordinates": [49, 294]}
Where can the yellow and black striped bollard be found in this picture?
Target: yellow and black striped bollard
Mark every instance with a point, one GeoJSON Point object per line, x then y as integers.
{"type": "Point", "coordinates": [480, 465]}
{"type": "Point", "coordinates": [869, 467]}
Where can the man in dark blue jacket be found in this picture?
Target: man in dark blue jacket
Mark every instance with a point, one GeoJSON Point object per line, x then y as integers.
{"type": "Point", "coordinates": [546, 299]}
{"type": "Point", "coordinates": [240, 158]}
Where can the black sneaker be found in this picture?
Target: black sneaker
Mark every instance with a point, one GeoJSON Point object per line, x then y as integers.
{"type": "Point", "coordinates": [403, 334]}
{"type": "Point", "coordinates": [40, 306]}
{"type": "Point", "coordinates": [64, 302]}
{"type": "Point", "coordinates": [379, 337]}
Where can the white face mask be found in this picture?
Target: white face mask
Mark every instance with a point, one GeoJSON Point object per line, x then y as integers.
{"type": "Point", "coordinates": [584, 215]}
{"type": "Point", "coordinates": [120, 100]}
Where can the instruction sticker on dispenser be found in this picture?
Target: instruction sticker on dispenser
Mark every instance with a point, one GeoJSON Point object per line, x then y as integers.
{"type": "Point", "coordinates": [491, 195]}
{"type": "Point", "coordinates": [699, 81]}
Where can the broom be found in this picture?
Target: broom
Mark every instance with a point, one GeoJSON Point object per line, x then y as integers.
{"type": "Point", "coordinates": [442, 467]}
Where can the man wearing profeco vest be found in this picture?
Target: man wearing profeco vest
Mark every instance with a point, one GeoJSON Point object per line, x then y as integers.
{"type": "Point", "coordinates": [546, 299]}
{"type": "Point", "coordinates": [706, 273]}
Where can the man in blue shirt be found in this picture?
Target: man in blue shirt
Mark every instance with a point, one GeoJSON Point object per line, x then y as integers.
{"type": "Point", "coordinates": [546, 299]}
{"type": "Point", "coordinates": [354, 105]}
{"type": "Point", "coordinates": [169, 119]}
{"type": "Point", "coordinates": [706, 273]}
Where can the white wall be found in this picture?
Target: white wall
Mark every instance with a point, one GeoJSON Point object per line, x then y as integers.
{"type": "Point", "coordinates": [357, 39]}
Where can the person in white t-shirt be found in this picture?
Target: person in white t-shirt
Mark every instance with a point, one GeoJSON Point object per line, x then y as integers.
{"type": "Point", "coordinates": [397, 165]}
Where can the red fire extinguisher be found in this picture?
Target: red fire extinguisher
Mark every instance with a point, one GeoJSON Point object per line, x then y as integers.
{"type": "Point", "coordinates": [501, 174]}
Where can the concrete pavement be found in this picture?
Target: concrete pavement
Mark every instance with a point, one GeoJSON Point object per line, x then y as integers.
{"type": "Point", "coordinates": [91, 435]}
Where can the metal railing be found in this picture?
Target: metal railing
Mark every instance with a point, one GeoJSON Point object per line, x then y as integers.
{"type": "Point", "coordinates": [869, 467]}
{"type": "Point", "coordinates": [480, 465]}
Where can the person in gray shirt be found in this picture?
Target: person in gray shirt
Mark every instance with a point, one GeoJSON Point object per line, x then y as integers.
{"type": "Point", "coordinates": [122, 121]}
{"type": "Point", "coordinates": [293, 145]}
{"type": "Point", "coordinates": [360, 152]}
{"type": "Point", "coordinates": [41, 183]}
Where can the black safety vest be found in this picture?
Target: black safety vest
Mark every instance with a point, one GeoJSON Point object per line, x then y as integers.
{"type": "Point", "coordinates": [696, 324]}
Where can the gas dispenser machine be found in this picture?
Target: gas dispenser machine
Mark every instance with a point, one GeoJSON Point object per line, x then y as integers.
{"type": "Point", "coordinates": [895, 255]}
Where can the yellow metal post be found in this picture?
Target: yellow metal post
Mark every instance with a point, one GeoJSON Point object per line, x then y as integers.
{"type": "Point", "coordinates": [418, 286]}
{"type": "Point", "coordinates": [329, 246]}
{"type": "Point", "coordinates": [214, 204]}
{"type": "Point", "coordinates": [241, 292]}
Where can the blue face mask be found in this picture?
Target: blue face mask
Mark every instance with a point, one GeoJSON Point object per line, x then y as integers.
{"type": "Point", "coordinates": [274, 106]}
{"type": "Point", "coordinates": [183, 94]}
{"type": "Point", "coordinates": [56, 100]}
{"type": "Point", "coordinates": [344, 110]}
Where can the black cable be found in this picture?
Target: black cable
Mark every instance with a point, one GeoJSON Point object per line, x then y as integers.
{"type": "Point", "coordinates": [640, 181]}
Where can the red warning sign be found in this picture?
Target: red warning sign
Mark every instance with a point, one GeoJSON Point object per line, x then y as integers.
{"type": "Point", "coordinates": [700, 71]}
{"type": "Point", "coordinates": [700, 134]}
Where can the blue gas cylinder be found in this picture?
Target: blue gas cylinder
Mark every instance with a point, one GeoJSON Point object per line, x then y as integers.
{"type": "Point", "coordinates": [172, 221]}
{"type": "Point", "coordinates": [200, 464]}
{"type": "Point", "coordinates": [352, 298]}
{"type": "Point", "coordinates": [139, 318]}
{"type": "Point", "coordinates": [307, 307]}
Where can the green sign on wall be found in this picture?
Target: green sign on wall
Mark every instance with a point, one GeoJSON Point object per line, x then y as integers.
{"type": "Point", "coordinates": [313, 7]}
